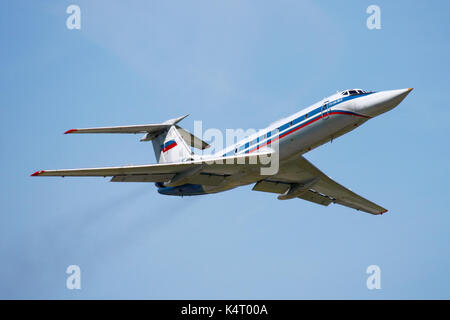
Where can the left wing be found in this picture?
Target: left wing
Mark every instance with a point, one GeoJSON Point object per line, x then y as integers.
{"type": "Point", "coordinates": [173, 173]}
{"type": "Point", "coordinates": [300, 178]}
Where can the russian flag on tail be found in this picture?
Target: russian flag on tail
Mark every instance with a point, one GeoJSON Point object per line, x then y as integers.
{"type": "Point", "coordinates": [168, 145]}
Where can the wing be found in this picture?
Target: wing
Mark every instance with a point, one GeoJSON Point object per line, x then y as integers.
{"type": "Point", "coordinates": [210, 169]}
{"type": "Point", "coordinates": [300, 178]}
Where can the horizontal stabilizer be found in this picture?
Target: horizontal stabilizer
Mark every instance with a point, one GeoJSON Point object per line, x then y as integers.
{"type": "Point", "coordinates": [144, 128]}
{"type": "Point", "coordinates": [150, 131]}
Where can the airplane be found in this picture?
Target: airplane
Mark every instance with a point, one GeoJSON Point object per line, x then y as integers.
{"type": "Point", "coordinates": [181, 172]}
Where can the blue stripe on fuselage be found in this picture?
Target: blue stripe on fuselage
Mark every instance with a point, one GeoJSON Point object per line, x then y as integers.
{"type": "Point", "coordinates": [300, 122]}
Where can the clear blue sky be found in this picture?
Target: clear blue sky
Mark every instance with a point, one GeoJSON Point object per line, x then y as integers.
{"type": "Point", "coordinates": [232, 64]}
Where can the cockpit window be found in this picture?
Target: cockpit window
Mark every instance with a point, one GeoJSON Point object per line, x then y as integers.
{"type": "Point", "coordinates": [354, 92]}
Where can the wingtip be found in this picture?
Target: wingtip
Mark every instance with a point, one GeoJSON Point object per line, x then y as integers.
{"type": "Point", "coordinates": [382, 212]}
{"type": "Point", "coordinates": [37, 173]}
{"type": "Point", "coordinates": [71, 131]}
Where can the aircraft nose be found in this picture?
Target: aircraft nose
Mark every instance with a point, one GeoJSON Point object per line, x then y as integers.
{"type": "Point", "coordinates": [398, 94]}
{"type": "Point", "coordinates": [383, 101]}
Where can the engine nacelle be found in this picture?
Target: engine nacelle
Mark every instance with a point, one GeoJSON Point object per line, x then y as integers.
{"type": "Point", "coordinates": [183, 190]}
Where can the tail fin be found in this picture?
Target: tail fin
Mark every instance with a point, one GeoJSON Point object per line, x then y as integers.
{"type": "Point", "coordinates": [171, 143]}
{"type": "Point", "coordinates": [169, 146]}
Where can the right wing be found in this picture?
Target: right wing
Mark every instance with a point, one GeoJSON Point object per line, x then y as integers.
{"type": "Point", "coordinates": [300, 178]}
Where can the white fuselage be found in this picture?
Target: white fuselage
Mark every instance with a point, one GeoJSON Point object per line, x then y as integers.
{"type": "Point", "coordinates": [312, 127]}
{"type": "Point", "coordinates": [302, 132]}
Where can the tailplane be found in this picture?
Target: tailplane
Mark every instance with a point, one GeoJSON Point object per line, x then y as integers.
{"type": "Point", "coordinates": [171, 143]}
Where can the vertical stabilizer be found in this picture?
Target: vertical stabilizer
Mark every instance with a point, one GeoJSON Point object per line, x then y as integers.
{"type": "Point", "coordinates": [169, 146]}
